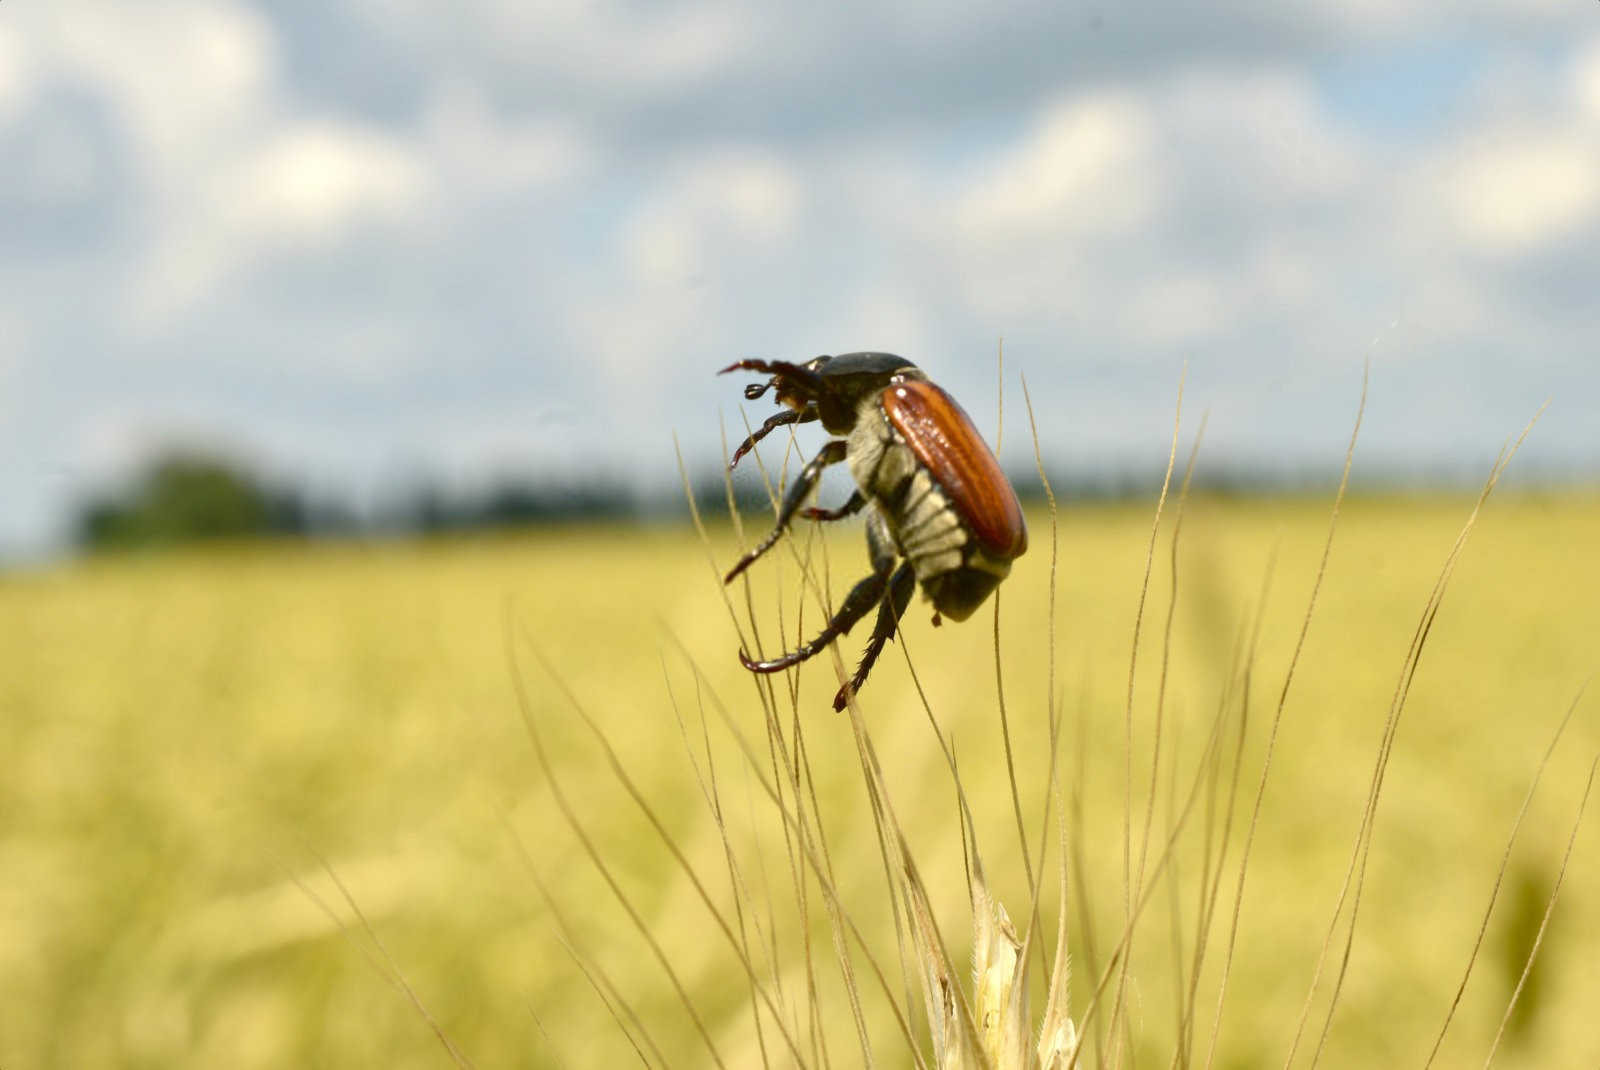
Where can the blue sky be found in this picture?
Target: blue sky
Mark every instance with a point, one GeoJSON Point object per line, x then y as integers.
{"type": "Point", "coordinates": [364, 242]}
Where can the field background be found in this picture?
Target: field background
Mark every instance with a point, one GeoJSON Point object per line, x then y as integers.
{"type": "Point", "coordinates": [190, 735]}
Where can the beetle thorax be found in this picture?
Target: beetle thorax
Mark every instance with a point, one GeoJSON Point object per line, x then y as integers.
{"type": "Point", "coordinates": [879, 460]}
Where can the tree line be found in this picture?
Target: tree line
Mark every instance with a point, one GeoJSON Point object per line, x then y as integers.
{"type": "Point", "coordinates": [192, 496]}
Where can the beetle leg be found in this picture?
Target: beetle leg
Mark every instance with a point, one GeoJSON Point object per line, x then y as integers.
{"type": "Point", "coordinates": [831, 453]}
{"type": "Point", "coordinates": [857, 500]}
{"type": "Point", "coordinates": [788, 416]}
{"type": "Point", "coordinates": [862, 597]}
{"type": "Point", "coordinates": [890, 610]}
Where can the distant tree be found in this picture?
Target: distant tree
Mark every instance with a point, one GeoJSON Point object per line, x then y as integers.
{"type": "Point", "coordinates": [186, 496]}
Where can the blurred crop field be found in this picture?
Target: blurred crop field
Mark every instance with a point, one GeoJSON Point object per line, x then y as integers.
{"type": "Point", "coordinates": [197, 744]}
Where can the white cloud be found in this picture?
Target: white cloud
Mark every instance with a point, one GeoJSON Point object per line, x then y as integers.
{"type": "Point", "coordinates": [760, 195]}
{"type": "Point", "coordinates": [723, 204]}
{"type": "Point", "coordinates": [1175, 309]}
{"type": "Point", "coordinates": [723, 224]}
{"type": "Point", "coordinates": [618, 45]}
{"type": "Point", "coordinates": [17, 76]}
{"type": "Point", "coordinates": [1161, 214]}
{"type": "Point", "coordinates": [186, 87]}
{"type": "Point", "coordinates": [1511, 192]}
{"type": "Point", "coordinates": [1263, 126]}
{"type": "Point", "coordinates": [14, 341]}
{"type": "Point", "coordinates": [1083, 167]}
{"type": "Point", "coordinates": [184, 75]}
{"type": "Point", "coordinates": [476, 151]}
{"type": "Point", "coordinates": [890, 317]}
{"type": "Point", "coordinates": [1586, 81]}
{"type": "Point", "coordinates": [662, 247]}
{"type": "Point", "coordinates": [62, 167]}
{"type": "Point", "coordinates": [302, 186]}
{"type": "Point", "coordinates": [312, 181]}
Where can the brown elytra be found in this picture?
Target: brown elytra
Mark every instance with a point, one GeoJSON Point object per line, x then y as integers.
{"type": "Point", "coordinates": [943, 437]}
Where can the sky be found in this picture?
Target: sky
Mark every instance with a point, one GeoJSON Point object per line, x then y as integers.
{"type": "Point", "coordinates": [362, 244]}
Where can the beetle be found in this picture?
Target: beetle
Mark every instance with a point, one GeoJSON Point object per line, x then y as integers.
{"type": "Point", "coordinates": [937, 500]}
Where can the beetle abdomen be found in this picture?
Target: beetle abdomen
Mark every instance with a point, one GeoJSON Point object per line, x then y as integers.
{"type": "Point", "coordinates": [930, 532]}
{"type": "Point", "coordinates": [949, 449]}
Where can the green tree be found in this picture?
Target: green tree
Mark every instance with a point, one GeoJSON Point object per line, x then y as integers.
{"type": "Point", "coordinates": [186, 496]}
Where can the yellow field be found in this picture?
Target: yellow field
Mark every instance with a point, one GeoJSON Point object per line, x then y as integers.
{"type": "Point", "coordinates": [189, 737]}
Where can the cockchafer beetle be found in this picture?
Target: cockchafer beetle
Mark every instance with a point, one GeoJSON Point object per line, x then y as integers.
{"type": "Point", "coordinates": [938, 497]}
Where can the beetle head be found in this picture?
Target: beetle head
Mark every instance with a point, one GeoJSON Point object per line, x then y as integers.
{"type": "Point", "coordinates": [831, 387]}
{"type": "Point", "coordinates": [795, 388]}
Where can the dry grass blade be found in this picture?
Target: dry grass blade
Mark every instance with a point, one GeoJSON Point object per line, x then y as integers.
{"type": "Point", "coordinates": [841, 949]}
{"type": "Point", "coordinates": [812, 861]}
{"type": "Point", "coordinates": [1277, 718]}
{"type": "Point", "coordinates": [999, 959]}
{"type": "Point", "coordinates": [569, 815]}
{"type": "Point", "coordinates": [790, 765]}
{"type": "Point", "coordinates": [1544, 922]}
{"type": "Point", "coordinates": [1052, 793]}
{"type": "Point", "coordinates": [1499, 877]}
{"type": "Point", "coordinates": [787, 767]}
{"type": "Point", "coordinates": [933, 954]}
{"type": "Point", "coordinates": [1079, 870]}
{"type": "Point", "coordinates": [1355, 875]}
{"type": "Point", "coordinates": [1210, 887]}
{"type": "Point", "coordinates": [1166, 657]}
{"type": "Point", "coordinates": [550, 1044]}
{"type": "Point", "coordinates": [740, 890]}
{"type": "Point", "coordinates": [1058, 1034]}
{"type": "Point", "coordinates": [705, 540]}
{"type": "Point", "coordinates": [621, 1011]}
{"type": "Point", "coordinates": [1180, 822]}
{"type": "Point", "coordinates": [1206, 775]}
{"type": "Point", "coordinates": [1129, 890]}
{"type": "Point", "coordinates": [1005, 736]}
{"type": "Point", "coordinates": [1050, 606]}
{"type": "Point", "coordinates": [671, 844]}
{"type": "Point", "coordinates": [999, 674]}
{"type": "Point", "coordinates": [1133, 658]}
{"type": "Point", "coordinates": [940, 988]}
{"type": "Point", "coordinates": [377, 954]}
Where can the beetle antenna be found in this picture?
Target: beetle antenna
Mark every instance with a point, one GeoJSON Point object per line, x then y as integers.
{"type": "Point", "coordinates": [754, 391]}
